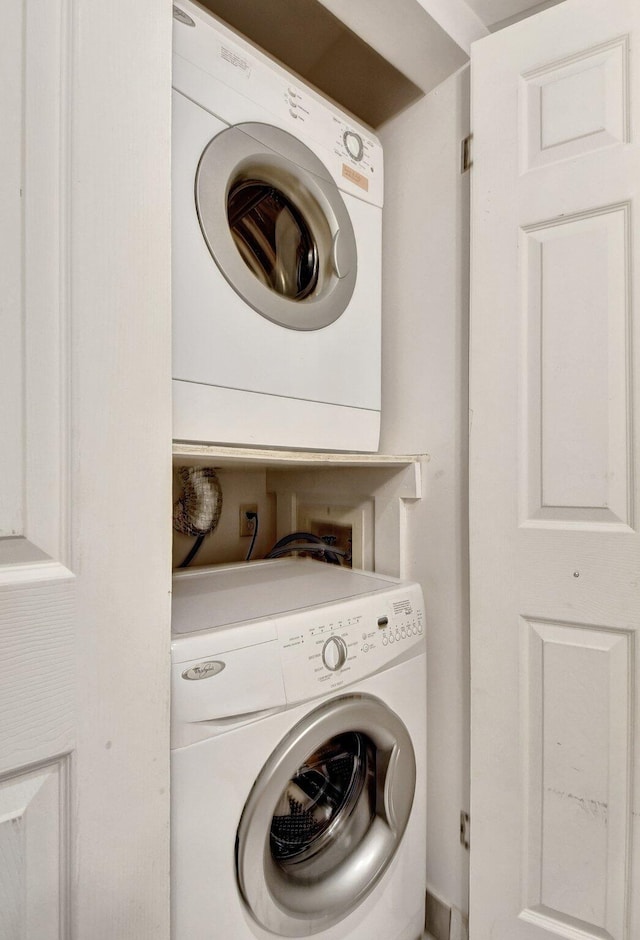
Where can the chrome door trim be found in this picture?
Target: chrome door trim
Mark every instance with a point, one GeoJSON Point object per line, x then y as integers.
{"type": "Point", "coordinates": [248, 151]}
{"type": "Point", "coordinates": [291, 908]}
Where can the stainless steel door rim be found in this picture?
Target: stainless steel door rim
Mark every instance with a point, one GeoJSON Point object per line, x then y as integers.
{"type": "Point", "coordinates": [291, 900]}
{"type": "Point", "coordinates": [291, 175]}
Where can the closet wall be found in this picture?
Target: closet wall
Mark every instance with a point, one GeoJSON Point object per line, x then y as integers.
{"type": "Point", "coordinates": [425, 409]}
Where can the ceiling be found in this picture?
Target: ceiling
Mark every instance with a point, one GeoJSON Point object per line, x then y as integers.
{"type": "Point", "coordinates": [373, 57]}
{"type": "Point", "coordinates": [498, 13]}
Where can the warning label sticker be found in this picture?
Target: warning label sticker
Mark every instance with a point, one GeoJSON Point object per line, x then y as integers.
{"type": "Point", "coordinates": [237, 61]}
{"type": "Point", "coordinates": [358, 178]}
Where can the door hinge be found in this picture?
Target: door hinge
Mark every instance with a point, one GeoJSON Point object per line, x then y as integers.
{"type": "Point", "coordinates": [465, 154]}
{"type": "Point", "coordinates": [465, 829]}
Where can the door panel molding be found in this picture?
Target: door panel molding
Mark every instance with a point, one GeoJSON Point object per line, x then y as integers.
{"type": "Point", "coordinates": [573, 106]}
{"type": "Point", "coordinates": [577, 370]}
{"type": "Point", "coordinates": [38, 451]}
{"type": "Point", "coordinates": [577, 753]}
{"type": "Point", "coordinates": [35, 889]}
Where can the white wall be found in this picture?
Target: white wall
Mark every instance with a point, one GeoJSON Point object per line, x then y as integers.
{"type": "Point", "coordinates": [224, 544]}
{"type": "Point", "coordinates": [425, 409]}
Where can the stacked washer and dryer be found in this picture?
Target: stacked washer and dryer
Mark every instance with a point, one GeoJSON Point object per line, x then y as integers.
{"type": "Point", "coordinates": [298, 688]}
{"type": "Point", "coordinates": [277, 222]}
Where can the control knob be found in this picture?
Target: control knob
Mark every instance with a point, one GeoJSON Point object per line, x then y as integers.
{"type": "Point", "coordinates": [354, 145]}
{"type": "Point", "coordinates": [334, 653]}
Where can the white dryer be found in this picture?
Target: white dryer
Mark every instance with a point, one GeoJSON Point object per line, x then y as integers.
{"type": "Point", "coordinates": [298, 754]}
{"type": "Point", "coordinates": [277, 217]}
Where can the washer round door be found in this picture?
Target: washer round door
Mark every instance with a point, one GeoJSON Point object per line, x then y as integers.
{"type": "Point", "coordinates": [325, 816]}
{"type": "Point", "coordinates": [276, 226]}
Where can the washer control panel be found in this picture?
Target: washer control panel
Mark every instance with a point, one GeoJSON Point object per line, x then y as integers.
{"type": "Point", "coordinates": [323, 649]}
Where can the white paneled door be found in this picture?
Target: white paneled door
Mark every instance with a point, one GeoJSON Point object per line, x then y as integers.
{"type": "Point", "coordinates": [84, 470]}
{"type": "Point", "coordinates": [555, 500]}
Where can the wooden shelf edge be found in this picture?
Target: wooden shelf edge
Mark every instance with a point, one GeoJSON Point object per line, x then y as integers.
{"type": "Point", "coordinates": [222, 456]}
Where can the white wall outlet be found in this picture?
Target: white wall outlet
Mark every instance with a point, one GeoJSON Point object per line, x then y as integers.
{"type": "Point", "coordinates": [248, 512]}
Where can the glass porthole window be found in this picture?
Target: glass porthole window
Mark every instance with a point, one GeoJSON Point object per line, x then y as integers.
{"type": "Point", "coordinates": [273, 238]}
{"type": "Point", "coordinates": [328, 802]}
{"type": "Point", "coordinates": [276, 225]}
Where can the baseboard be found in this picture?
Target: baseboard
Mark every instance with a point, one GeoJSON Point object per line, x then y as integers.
{"type": "Point", "coordinates": [444, 922]}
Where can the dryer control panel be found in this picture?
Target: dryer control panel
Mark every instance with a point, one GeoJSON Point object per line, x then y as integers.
{"type": "Point", "coordinates": [324, 649]}
{"type": "Point", "coordinates": [238, 83]}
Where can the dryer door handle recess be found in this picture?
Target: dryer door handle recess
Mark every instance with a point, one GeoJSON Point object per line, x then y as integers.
{"type": "Point", "coordinates": [398, 791]}
{"type": "Point", "coordinates": [341, 255]}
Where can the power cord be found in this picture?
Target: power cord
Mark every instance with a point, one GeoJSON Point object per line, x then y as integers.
{"type": "Point", "coordinates": [252, 515]}
{"type": "Point", "coordinates": [195, 548]}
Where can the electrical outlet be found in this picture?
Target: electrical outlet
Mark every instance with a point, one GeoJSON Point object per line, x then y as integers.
{"type": "Point", "coordinates": [247, 525]}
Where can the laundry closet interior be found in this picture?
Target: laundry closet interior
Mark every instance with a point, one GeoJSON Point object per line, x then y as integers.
{"type": "Point", "coordinates": [400, 511]}
{"type": "Point", "coordinates": [93, 467]}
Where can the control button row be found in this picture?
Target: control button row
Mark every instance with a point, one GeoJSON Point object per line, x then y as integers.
{"type": "Point", "coordinates": [402, 634]}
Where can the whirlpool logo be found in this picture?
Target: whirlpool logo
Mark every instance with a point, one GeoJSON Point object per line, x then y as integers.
{"type": "Point", "coordinates": [203, 670]}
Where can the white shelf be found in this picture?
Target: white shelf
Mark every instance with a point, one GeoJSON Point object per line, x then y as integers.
{"type": "Point", "coordinates": [244, 458]}
{"type": "Point", "coordinates": [387, 481]}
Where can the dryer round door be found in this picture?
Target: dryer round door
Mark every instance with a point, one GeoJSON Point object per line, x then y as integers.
{"type": "Point", "coordinates": [325, 816]}
{"type": "Point", "coordinates": [276, 226]}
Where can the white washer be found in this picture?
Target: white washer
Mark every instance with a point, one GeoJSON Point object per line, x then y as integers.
{"type": "Point", "coordinates": [298, 754]}
{"type": "Point", "coordinates": [277, 221]}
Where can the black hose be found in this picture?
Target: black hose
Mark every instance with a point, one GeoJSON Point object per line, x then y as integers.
{"type": "Point", "coordinates": [195, 548]}
{"type": "Point", "coordinates": [314, 544]}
